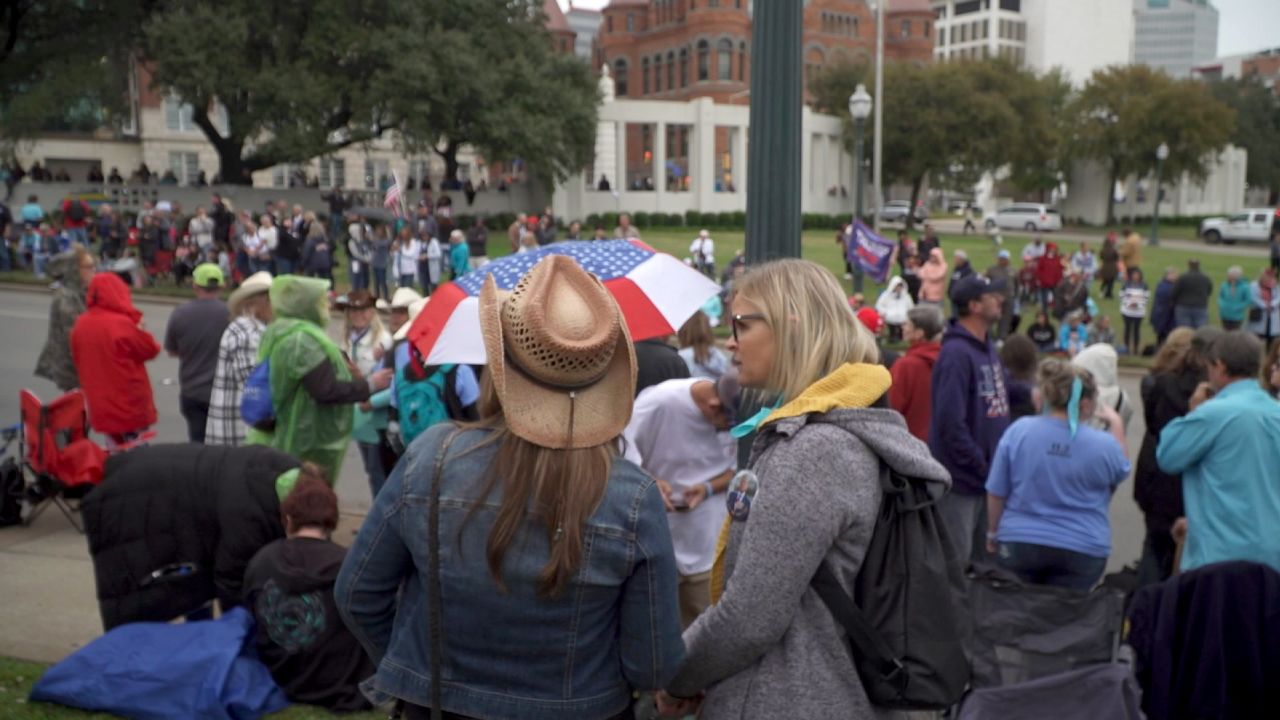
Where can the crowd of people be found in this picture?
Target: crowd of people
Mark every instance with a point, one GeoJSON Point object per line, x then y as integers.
{"type": "Point", "coordinates": [572, 521]}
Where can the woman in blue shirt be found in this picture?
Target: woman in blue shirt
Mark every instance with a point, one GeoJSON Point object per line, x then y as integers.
{"type": "Point", "coordinates": [1051, 481]}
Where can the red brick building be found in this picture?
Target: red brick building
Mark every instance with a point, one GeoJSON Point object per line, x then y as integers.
{"type": "Point", "coordinates": [685, 49]}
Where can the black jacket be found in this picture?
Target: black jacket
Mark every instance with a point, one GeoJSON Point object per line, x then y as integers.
{"type": "Point", "coordinates": [1207, 643]}
{"type": "Point", "coordinates": [312, 655]}
{"type": "Point", "coordinates": [1159, 494]}
{"type": "Point", "coordinates": [1192, 289]}
{"type": "Point", "coordinates": [657, 362]}
{"type": "Point", "coordinates": [194, 514]}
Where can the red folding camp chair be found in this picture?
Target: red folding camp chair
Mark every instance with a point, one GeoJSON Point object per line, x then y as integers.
{"type": "Point", "coordinates": [62, 462]}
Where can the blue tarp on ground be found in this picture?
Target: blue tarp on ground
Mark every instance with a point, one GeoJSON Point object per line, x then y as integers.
{"type": "Point", "coordinates": [205, 670]}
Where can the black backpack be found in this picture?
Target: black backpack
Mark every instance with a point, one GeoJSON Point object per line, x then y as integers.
{"type": "Point", "coordinates": [903, 620]}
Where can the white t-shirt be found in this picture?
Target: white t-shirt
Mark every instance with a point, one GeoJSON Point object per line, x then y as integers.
{"type": "Point", "coordinates": [669, 438]}
{"type": "Point", "coordinates": [703, 250]}
{"type": "Point", "coordinates": [269, 236]}
{"type": "Point", "coordinates": [407, 258]}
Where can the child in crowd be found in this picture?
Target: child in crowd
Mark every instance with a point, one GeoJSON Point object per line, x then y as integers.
{"type": "Point", "coordinates": [1042, 333]}
{"type": "Point", "coordinates": [1074, 335]}
{"type": "Point", "coordinates": [1100, 331]}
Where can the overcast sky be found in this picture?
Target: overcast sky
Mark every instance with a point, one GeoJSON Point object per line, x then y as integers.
{"type": "Point", "coordinates": [1243, 25]}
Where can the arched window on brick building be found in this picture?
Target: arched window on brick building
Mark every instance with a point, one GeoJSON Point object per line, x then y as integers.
{"type": "Point", "coordinates": [724, 59]}
{"type": "Point", "coordinates": [620, 77]}
{"type": "Point", "coordinates": [684, 67]}
{"type": "Point", "coordinates": [671, 70]}
{"type": "Point", "coordinates": [644, 76]}
{"type": "Point", "coordinates": [742, 61]}
{"type": "Point", "coordinates": [704, 60]}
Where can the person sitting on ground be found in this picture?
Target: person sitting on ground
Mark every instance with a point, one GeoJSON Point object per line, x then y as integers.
{"type": "Point", "coordinates": [698, 348]}
{"type": "Point", "coordinates": [552, 562]}
{"type": "Point", "coordinates": [74, 271]}
{"type": "Point", "coordinates": [1043, 334]}
{"type": "Point", "coordinates": [1074, 334]}
{"type": "Point", "coordinates": [1051, 483]}
{"type": "Point", "coordinates": [312, 655]}
{"type": "Point", "coordinates": [312, 386]}
{"type": "Point", "coordinates": [173, 527]}
{"type": "Point", "coordinates": [1227, 450]}
{"type": "Point", "coordinates": [111, 348]}
{"type": "Point", "coordinates": [913, 373]}
{"type": "Point", "coordinates": [1100, 332]}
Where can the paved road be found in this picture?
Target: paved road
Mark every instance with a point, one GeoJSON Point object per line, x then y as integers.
{"type": "Point", "coordinates": [47, 605]}
{"type": "Point", "coordinates": [1253, 250]}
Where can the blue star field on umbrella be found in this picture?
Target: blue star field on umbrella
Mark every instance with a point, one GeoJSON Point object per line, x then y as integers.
{"type": "Point", "coordinates": [606, 259]}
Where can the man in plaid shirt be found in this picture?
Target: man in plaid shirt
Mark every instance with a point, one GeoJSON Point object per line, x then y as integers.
{"type": "Point", "coordinates": [250, 307]}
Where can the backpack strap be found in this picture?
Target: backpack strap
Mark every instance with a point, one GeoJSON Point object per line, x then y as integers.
{"type": "Point", "coordinates": [433, 579]}
{"type": "Point", "coordinates": [867, 643]}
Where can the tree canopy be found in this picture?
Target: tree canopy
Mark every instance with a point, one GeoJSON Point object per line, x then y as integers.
{"type": "Point", "coordinates": [954, 121]}
{"type": "Point", "coordinates": [1257, 128]}
{"type": "Point", "coordinates": [275, 81]}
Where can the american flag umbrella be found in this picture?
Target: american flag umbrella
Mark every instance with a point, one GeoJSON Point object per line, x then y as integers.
{"type": "Point", "coordinates": [657, 294]}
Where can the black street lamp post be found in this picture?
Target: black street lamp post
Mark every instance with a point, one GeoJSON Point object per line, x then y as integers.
{"type": "Point", "coordinates": [1162, 153]}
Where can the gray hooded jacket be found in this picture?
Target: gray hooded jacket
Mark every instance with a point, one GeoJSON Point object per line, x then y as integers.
{"type": "Point", "coordinates": [770, 648]}
{"type": "Point", "coordinates": [68, 303]}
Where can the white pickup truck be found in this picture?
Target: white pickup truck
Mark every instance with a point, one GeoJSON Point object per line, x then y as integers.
{"type": "Point", "coordinates": [1248, 225]}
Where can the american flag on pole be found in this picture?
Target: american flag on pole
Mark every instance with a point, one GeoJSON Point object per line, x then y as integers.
{"type": "Point", "coordinates": [393, 200]}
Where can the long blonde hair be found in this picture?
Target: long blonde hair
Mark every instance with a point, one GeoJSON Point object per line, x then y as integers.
{"type": "Point", "coordinates": [565, 486]}
{"type": "Point", "coordinates": [814, 329]}
{"type": "Point", "coordinates": [1172, 356]}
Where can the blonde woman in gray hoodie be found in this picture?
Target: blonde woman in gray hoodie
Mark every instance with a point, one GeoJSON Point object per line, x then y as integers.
{"type": "Point", "coordinates": [768, 647]}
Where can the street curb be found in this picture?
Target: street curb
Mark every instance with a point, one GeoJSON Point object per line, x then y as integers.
{"type": "Point", "coordinates": [35, 289]}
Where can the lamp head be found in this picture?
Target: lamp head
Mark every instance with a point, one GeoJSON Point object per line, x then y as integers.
{"type": "Point", "coordinates": [860, 103]}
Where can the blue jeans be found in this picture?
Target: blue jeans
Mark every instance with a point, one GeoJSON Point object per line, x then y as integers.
{"type": "Point", "coordinates": [257, 265]}
{"type": "Point", "coordinates": [283, 266]}
{"type": "Point", "coordinates": [371, 456]}
{"type": "Point", "coordinates": [380, 287]}
{"type": "Point", "coordinates": [1044, 565]}
{"type": "Point", "coordinates": [39, 260]}
{"type": "Point", "coordinates": [360, 280]}
{"type": "Point", "coordinates": [1192, 317]}
{"type": "Point", "coordinates": [406, 281]}
{"type": "Point", "coordinates": [79, 234]}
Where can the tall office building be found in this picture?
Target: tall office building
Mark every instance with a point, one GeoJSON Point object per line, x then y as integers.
{"type": "Point", "coordinates": [1078, 37]}
{"type": "Point", "coordinates": [586, 23]}
{"type": "Point", "coordinates": [1175, 35]}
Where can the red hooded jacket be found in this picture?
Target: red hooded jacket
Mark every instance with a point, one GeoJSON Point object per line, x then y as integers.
{"type": "Point", "coordinates": [110, 352]}
{"type": "Point", "coordinates": [912, 381]}
{"type": "Point", "coordinates": [1049, 267]}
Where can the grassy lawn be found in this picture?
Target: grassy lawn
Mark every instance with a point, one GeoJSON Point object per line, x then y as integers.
{"type": "Point", "coordinates": [17, 677]}
{"type": "Point", "coordinates": [819, 246]}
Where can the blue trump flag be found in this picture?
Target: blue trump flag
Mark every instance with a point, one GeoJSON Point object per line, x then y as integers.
{"type": "Point", "coordinates": [868, 251]}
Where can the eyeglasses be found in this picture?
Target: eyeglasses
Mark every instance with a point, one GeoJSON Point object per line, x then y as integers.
{"type": "Point", "coordinates": [736, 321]}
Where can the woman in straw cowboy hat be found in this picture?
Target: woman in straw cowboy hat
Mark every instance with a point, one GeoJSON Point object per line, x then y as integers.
{"type": "Point", "coordinates": [535, 566]}
{"type": "Point", "coordinates": [250, 307]}
{"type": "Point", "coordinates": [768, 647]}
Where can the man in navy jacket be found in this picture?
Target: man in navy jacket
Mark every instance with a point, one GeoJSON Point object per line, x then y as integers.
{"type": "Point", "coordinates": [970, 407]}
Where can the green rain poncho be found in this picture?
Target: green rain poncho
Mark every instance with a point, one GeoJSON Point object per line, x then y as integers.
{"type": "Point", "coordinates": [296, 343]}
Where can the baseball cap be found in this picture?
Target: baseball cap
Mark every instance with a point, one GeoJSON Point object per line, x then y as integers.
{"type": "Point", "coordinates": [1003, 255]}
{"type": "Point", "coordinates": [871, 319]}
{"type": "Point", "coordinates": [208, 275]}
{"type": "Point", "coordinates": [966, 290]}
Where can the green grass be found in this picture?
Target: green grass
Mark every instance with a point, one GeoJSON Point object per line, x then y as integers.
{"type": "Point", "coordinates": [17, 677]}
{"type": "Point", "coordinates": [819, 246]}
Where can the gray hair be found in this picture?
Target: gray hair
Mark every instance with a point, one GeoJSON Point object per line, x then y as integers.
{"type": "Point", "coordinates": [926, 318]}
{"type": "Point", "coordinates": [1239, 352]}
{"type": "Point", "coordinates": [1235, 272]}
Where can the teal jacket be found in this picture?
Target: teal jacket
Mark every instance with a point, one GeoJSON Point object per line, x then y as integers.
{"type": "Point", "coordinates": [1228, 453]}
{"type": "Point", "coordinates": [366, 425]}
{"type": "Point", "coordinates": [459, 259]}
{"type": "Point", "coordinates": [1234, 300]}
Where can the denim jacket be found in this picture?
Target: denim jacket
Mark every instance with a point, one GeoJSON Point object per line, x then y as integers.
{"type": "Point", "coordinates": [511, 654]}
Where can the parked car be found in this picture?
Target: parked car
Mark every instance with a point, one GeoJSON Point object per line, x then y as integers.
{"type": "Point", "coordinates": [1026, 216]}
{"type": "Point", "coordinates": [1248, 225]}
{"type": "Point", "coordinates": [896, 211]}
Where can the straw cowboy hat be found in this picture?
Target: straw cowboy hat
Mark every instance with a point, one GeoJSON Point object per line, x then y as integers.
{"type": "Point", "coordinates": [414, 310]}
{"type": "Point", "coordinates": [259, 282]}
{"type": "Point", "coordinates": [560, 355]}
{"type": "Point", "coordinates": [404, 298]}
